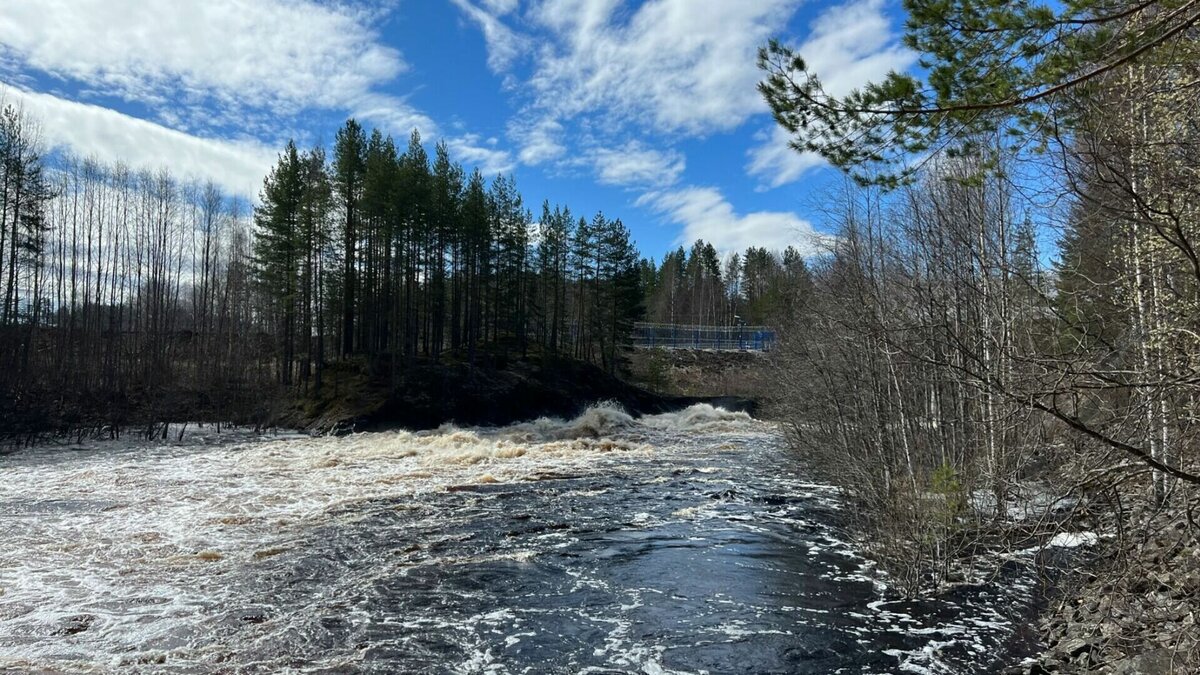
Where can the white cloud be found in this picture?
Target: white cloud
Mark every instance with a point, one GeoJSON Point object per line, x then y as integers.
{"type": "Point", "coordinates": [671, 68]}
{"type": "Point", "coordinates": [674, 67]}
{"type": "Point", "coordinates": [851, 44]}
{"type": "Point", "coordinates": [88, 130]}
{"type": "Point", "coordinates": [847, 46]}
{"type": "Point", "coordinates": [214, 68]}
{"type": "Point", "coordinates": [393, 115]}
{"type": "Point", "coordinates": [224, 55]}
{"type": "Point", "coordinates": [475, 152]}
{"type": "Point", "coordinates": [775, 163]}
{"type": "Point", "coordinates": [500, 7]}
{"type": "Point", "coordinates": [677, 66]}
{"type": "Point", "coordinates": [504, 45]}
{"type": "Point", "coordinates": [540, 142]}
{"type": "Point", "coordinates": [704, 213]}
{"type": "Point", "coordinates": [635, 165]}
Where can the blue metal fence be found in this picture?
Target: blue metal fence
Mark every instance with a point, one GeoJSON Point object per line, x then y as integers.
{"type": "Point", "coordinates": [717, 338]}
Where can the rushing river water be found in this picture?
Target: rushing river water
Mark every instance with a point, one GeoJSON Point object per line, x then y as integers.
{"type": "Point", "coordinates": [690, 542]}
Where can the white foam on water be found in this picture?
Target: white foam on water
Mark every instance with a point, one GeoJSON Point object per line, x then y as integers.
{"type": "Point", "coordinates": [147, 538]}
{"type": "Point", "coordinates": [138, 539]}
{"type": "Point", "coordinates": [704, 418]}
{"type": "Point", "coordinates": [1073, 539]}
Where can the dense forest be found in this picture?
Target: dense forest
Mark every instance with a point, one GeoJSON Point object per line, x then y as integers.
{"type": "Point", "coordinates": [384, 254]}
{"type": "Point", "coordinates": [698, 287]}
{"type": "Point", "coordinates": [971, 391]}
{"type": "Point", "coordinates": [131, 295]}
{"type": "Point", "coordinates": [136, 297]}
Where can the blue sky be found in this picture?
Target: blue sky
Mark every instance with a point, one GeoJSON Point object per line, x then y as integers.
{"type": "Point", "coordinates": [644, 110]}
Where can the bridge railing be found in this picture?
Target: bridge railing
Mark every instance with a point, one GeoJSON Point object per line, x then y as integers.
{"type": "Point", "coordinates": [718, 338]}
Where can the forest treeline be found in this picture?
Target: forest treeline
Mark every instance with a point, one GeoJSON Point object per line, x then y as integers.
{"type": "Point", "coordinates": [699, 287]}
{"type": "Point", "coordinates": [127, 295]}
{"type": "Point", "coordinates": [385, 254]}
{"type": "Point", "coordinates": [131, 296]}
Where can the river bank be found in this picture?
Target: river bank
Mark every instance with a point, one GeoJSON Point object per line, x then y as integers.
{"type": "Point", "coordinates": [421, 393]}
{"type": "Point", "coordinates": [1131, 609]}
{"type": "Point", "coordinates": [425, 394]}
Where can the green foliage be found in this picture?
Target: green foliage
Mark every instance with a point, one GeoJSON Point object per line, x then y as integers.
{"type": "Point", "coordinates": [415, 249]}
{"type": "Point", "coordinates": [757, 287]}
{"type": "Point", "coordinates": [277, 234]}
{"type": "Point", "coordinates": [349, 161]}
{"type": "Point", "coordinates": [990, 67]}
{"type": "Point", "coordinates": [945, 482]}
{"type": "Point", "coordinates": [657, 375]}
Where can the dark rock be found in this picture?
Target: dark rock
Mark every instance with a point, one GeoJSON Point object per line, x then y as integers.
{"type": "Point", "coordinates": [1077, 647]}
{"type": "Point", "coordinates": [1157, 662]}
{"type": "Point", "coordinates": [74, 625]}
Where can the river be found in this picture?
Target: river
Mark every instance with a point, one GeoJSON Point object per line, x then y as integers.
{"type": "Point", "coordinates": [691, 542]}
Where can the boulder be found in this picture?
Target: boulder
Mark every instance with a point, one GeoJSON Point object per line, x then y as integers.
{"type": "Point", "coordinates": [1157, 662]}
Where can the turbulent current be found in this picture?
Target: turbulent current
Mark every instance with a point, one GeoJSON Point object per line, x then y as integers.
{"type": "Point", "coordinates": [683, 543]}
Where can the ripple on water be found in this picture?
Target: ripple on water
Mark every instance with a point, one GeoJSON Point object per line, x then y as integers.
{"type": "Point", "coordinates": [685, 542]}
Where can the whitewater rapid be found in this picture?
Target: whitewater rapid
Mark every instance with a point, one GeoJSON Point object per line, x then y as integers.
{"type": "Point", "coordinates": [684, 542]}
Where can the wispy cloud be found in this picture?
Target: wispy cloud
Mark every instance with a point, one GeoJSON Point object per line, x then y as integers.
{"type": "Point", "coordinates": [223, 60]}
{"type": "Point", "coordinates": [220, 68]}
{"type": "Point", "coordinates": [775, 163]}
{"type": "Point", "coordinates": [540, 141]}
{"type": "Point", "coordinates": [504, 44]}
{"type": "Point", "coordinates": [847, 46]}
{"type": "Point", "coordinates": [393, 115]}
{"type": "Point", "coordinates": [672, 66]}
{"type": "Point", "coordinates": [636, 165]}
{"type": "Point", "coordinates": [632, 77]}
{"type": "Point", "coordinates": [705, 213]}
{"type": "Point", "coordinates": [474, 151]}
{"type": "Point", "coordinates": [93, 131]}
{"type": "Point", "coordinates": [636, 79]}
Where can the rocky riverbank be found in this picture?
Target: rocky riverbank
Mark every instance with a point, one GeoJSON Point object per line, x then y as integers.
{"type": "Point", "coordinates": [356, 395]}
{"type": "Point", "coordinates": [685, 372]}
{"type": "Point", "coordinates": [1134, 611]}
{"type": "Point", "coordinates": [425, 394]}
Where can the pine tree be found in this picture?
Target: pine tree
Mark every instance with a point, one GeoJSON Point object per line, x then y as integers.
{"type": "Point", "coordinates": [278, 248]}
{"type": "Point", "coordinates": [315, 240]}
{"type": "Point", "coordinates": [476, 237]}
{"type": "Point", "coordinates": [988, 68]}
{"type": "Point", "coordinates": [445, 201]}
{"type": "Point", "coordinates": [349, 167]}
